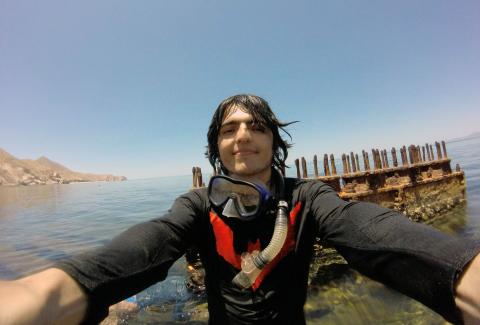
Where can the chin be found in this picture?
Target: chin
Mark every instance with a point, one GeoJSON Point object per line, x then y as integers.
{"type": "Point", "coordinates": [250, 170]}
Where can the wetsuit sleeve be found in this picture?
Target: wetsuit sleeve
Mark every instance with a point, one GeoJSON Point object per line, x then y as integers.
{"type": "Point", "coordinates": [136, 259]}
{"type": "Point", "coordinates": [412, 258]}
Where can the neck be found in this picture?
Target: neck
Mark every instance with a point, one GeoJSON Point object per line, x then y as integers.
{"type": "Point", "coordinates": [262, 178]}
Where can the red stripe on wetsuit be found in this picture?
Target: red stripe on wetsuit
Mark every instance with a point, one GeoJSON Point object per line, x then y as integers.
{"type": "Point", "coordinates": [224, 243]}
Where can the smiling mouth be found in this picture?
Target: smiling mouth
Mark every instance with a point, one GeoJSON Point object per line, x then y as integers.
{"type": "Point", "coordinates": [244, 152]}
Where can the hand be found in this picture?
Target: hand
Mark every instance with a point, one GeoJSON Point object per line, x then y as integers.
{"type": "Point", "coordinates": [467, 295]}
{"type": "Point", "coordinates": [47, 297]}
{"type": "Point", "coordinates": [20, 304]}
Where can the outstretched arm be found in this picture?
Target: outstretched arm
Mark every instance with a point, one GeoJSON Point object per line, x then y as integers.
{"type": "Point", "coordinates": [412, 258]}
{"type": "Point", "coordinates": [467, 295]}
{"type": "Point", "coordinates": [82, 287]}
{"type": "Point", "coordinates": [47, 297]}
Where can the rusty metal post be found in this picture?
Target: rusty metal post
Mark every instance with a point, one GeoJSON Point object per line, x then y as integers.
{"type": "Point", "coordinates": [315, 166]}
{"type": "Point", "coordinates": [431, 152]}
{"type": "Point", "coordinates": [457, 167]}
{"type": "Point", "coordinates": [386, 158]}
{"type": "Point", "coordinates": [304, 168]}
{"type": "Point", "coordinates": [379, 159]}
{"type": "Point", "coordinates": [404, 156]}
{"type": "Point", "coordinates": [297, 165]}
{"type": "Point", "coordinates": [358, 163]}
{"type": "Point", "coordinates": [349, 166]}
{"type": "Point", "coordinates": [194, 177]}
{"type": "Point", "coordinates": [410, 153]}
{"type": "Point", "coordinates": [326, 168]}
{"type": "Point", "coordinates": [428, 152]}
{"type": "Point", "coordinates": [199, 177]}
{"type": "Point", "coordinates": [439, 150]}
{"type": "Point", "coordinates": [378, 164]}
{"type": "Point", "coordinates": [332, 161]}
{"type": "Point", "coordinates": [423, 154]}
{"type": "Point", "coordinates": [394, 158]}
{"type": "Point", "coordinates": [344, 162]}
{"type": "Point", "coordinates": [418, 156]}
{"type": "Point", "coordinates": [365, 161]}
{"type": "Point", "coordinates": [444, 149]}
{"type": "Point", "coordinates": [354, 165]}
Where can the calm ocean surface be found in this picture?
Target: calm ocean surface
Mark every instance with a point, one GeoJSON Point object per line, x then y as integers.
{"type": "Point", "coordinates": [41, 224]}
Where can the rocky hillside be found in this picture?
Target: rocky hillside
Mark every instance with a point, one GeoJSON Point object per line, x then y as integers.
{"type": "Point", "coordinates": [15, 171]}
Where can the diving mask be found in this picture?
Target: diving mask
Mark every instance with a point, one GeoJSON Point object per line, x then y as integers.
{"type": "Point", "coordinates": [237, 199]}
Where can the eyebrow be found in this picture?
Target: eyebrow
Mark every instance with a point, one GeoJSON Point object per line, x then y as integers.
{"type": "Point", "coordinates": [250, 121]}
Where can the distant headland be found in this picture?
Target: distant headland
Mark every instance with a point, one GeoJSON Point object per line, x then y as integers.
{"type": "Point", "coordinates": [43, 171]}
{"type": "Point", "coordinates": [471, 136]}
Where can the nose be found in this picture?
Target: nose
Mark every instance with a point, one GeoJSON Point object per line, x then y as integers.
{"type": "Point", "coordinates": [243, 133]}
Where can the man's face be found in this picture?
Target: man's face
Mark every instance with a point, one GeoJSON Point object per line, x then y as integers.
{"type": "Point", "coordinates": [245, 148]}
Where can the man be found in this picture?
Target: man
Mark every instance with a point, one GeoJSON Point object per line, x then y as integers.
{"type": "Point", "coordinates": [277, 234]}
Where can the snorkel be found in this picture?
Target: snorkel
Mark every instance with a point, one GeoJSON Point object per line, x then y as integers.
{"type": "Point", "coordinates": [225, 192]}
{"type": "Point", "coordinates": [253, 263]}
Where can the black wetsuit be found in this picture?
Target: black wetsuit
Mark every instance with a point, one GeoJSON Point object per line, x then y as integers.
{"type": "Point", "coordinates": [382, 244]}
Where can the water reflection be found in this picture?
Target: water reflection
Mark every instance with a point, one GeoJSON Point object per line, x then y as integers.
{"type": "Point", "coordinates": [340, 295]}
{"type": "Point", "coordinates": [17, 198]}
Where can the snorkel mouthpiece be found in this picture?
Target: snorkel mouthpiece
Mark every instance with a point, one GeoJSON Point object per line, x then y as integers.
{"type": "Point", "coordinates": [253, 263]}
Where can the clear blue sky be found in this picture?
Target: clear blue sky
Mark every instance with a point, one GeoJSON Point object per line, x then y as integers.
{"type": "Point", "coordinates": [129, 87]}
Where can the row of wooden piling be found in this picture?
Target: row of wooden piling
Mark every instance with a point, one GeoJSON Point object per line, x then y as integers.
{"type": "Point", "coordinates": [415, 164]}
{"type": "Point", "coordinates": [326, 167]}
{"type": "Point", "coordinates": [351, 162]}
{"type": "Point", "coordinates": [197, 177]}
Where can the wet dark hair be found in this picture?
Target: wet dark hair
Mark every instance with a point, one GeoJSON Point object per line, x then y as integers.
{"type": "Point", "coordinates": [261, 113]}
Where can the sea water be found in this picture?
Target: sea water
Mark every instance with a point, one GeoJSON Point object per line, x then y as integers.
{"type": "Point", "coordinates": [41, 224]}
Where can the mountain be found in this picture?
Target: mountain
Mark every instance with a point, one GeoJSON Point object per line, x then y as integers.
{"type": "Point", "coordinates": [15, 171]}
{"type": "Point", "coordinates": [51, 164]}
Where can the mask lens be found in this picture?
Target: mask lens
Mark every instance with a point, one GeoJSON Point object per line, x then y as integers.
{"type": "Point", "coordinates": [245, 197]}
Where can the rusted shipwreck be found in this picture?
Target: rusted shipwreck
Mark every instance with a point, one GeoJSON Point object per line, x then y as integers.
{"type": "Point", "coordinates": [420, 184]}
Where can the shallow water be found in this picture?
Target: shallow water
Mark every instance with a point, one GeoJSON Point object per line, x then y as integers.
{"type": "Point", "coordinates": [41, 224]}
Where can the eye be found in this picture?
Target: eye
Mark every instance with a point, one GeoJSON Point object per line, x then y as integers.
{"type": "Point", "coordinates": [258, 127]}
{"type": "Point", "coordinates": [227, 130]}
